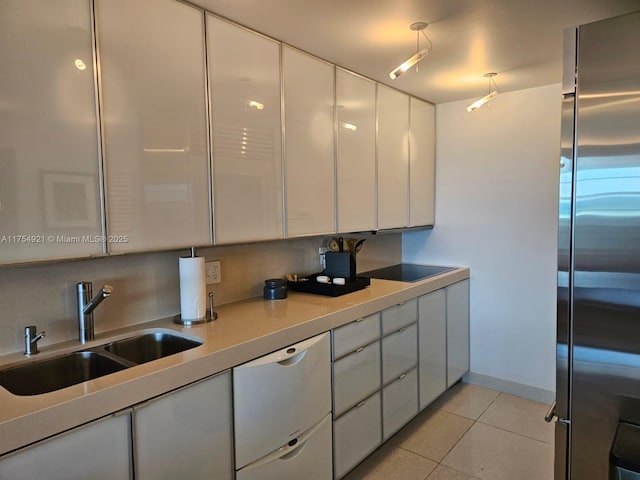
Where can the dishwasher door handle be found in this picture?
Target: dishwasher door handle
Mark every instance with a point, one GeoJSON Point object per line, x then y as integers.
{"type": "Point", "coordinates": [286, 356]}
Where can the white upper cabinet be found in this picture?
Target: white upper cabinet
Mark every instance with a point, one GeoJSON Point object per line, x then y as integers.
{"type": "Point", "coordinates": [49, 182]}
{"type": "Point", "coordinates": [422, 165]}
{"type": "Point", "coordinates": [356, 163]}
{"type": "Point", "coordinates": [393, 158]}
{"type": "Point", "coordinates": [309, 144]}
{"type": "Point", "coordinates": [244, 73]}
{"type": "Point", "coordinates": [155, 124]}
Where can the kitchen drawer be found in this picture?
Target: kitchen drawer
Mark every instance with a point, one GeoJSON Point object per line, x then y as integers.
{"type": "Point", "coordinates": [280, 395]}
{"type": "Point", "coordinates": [399, 352]}
{"type": "Point", "coordinates": [355, 377]}
{"type": "Point", "coordinates": [356, 334]}
{"type": "Point", "coordinates": [399, 402]}
{"type": "Point", "coordinates": [356, 434]}
{"type": "Point", "coordinates": [308, 457]}
{"type": "Point", "coordinates": [399, 316]}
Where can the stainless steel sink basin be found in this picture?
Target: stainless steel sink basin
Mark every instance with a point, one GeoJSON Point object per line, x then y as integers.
{"type": "Point", "coordinates": [58, 372]}
{"type": "Point", "coordinates": [150, 346]}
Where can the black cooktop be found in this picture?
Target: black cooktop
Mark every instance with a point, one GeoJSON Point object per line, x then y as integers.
{"type": "Point", "coordinates": [406, 272]}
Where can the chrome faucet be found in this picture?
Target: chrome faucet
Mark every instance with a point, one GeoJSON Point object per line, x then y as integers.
{"type": "Point", "coordinates": [31, 339]}
{"type": "Point", "coordinates": [86, 306]}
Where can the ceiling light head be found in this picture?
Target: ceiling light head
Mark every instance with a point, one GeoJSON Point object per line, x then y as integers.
{"type": "Point", "coordinates": [420, 53]}
{"type": "Point", "coordinates": [492, 93]}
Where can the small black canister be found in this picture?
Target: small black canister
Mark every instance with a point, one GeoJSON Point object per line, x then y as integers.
{"type": "Point", "coordinates": [275, 289]}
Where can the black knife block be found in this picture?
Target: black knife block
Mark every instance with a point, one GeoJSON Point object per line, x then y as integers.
{"type": "Point", "coordinates": [340, 264]}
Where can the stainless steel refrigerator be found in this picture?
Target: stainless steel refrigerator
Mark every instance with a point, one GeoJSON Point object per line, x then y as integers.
{"type": "Point", "coordinates": [598, 352]}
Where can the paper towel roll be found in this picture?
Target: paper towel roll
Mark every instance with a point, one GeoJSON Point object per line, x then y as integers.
{"type": "Point", "coordinates": [193, 289]}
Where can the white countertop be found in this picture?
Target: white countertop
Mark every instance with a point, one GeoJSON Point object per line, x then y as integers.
{"type": "Point", "coordinates": [244, 330]}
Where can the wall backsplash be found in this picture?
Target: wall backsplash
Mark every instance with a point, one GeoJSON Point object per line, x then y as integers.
{"type": "Point", "coordinates": [146, 286]}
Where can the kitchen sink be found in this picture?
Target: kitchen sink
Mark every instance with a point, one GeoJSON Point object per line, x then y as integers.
{"type": "Point", "coordinates": [45, 376]}
{"type": "Point", "coordinates": [59, 372]}
{"type": "Point", "coordinates": [150, 346]}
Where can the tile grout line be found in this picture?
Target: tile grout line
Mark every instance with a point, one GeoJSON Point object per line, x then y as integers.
{"type": "Point", "coordinates": [515, 433]}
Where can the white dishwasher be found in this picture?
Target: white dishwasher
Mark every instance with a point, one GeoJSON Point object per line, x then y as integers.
{"type": "Point", "coordinates": [281, 402]}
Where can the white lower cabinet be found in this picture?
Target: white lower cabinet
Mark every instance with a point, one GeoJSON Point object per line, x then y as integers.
{"type": "Point", "coordinates": [101, 449]}
{"type": "Point", "coordinates": [279, 396]}
{"type": "Point", "coordinates": [432, 346]}
{"type": "Point", "coordinates": [399, 402]}
{"type": "Point", "coordinates": [355, 377]}
{"type": "Point", "coordinates": [186, 433]}
{"type": "Point", "coordinates": [307, 457]}
{"type": "Point", "coordinates": [356, 434]}
{"type": "Point", "coordinates": [399, 352]}
{"type": "Point", "coordinates": [457, 331]}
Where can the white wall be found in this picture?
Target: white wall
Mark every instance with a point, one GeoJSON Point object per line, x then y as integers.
{"type": "Point", "coordinates": [496, 203]}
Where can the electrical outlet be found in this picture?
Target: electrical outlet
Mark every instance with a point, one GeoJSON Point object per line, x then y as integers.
{"type": "Point", "coordinates": [213, 272]}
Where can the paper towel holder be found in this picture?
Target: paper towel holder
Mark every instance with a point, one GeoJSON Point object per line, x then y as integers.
{"type": "Point", "coordinates": [210, 316]}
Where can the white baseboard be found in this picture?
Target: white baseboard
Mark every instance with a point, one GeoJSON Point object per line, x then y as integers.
{"type": "Point", "coordinates": [519, 389]}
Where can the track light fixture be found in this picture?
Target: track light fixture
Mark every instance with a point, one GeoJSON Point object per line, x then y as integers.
{"type": "Point", "coordinates": [492, 93]}
{"type": "Point", "coordinates": [420, 54]}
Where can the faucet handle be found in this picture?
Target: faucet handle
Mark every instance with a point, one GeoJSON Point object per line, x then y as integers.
{"type": "Point", "coordinates": [31, 339]}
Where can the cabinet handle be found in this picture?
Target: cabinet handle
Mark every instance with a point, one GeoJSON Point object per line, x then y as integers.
{"type": "Point", "coordinates": [359, 350]}
{"type": "Point", "coordinates": [361, 404]}
{"type": "Point", "coordinates": [359, 320]}
{"type": "Point", "coordinates": [402, 376]}
{"type": "Point", "coordinates": [402, 329]}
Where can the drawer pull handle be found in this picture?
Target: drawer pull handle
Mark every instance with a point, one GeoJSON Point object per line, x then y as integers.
{"type": "Point", "coordinates": [360, 404]}
{"type": "Point", "coordinates": [402, 329]}
{"type": "Point", "coordinates": [402, 376]}
{"type": "Point", "coordinates": [359, 320]}
{"type": "Point", "coordinates": [359, 350]}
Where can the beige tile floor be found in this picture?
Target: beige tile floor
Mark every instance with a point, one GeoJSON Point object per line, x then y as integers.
{"type": "Point", "coordinates": [469, 433]}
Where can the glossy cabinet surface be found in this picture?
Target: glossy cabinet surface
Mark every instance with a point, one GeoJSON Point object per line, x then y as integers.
{"type": "Point", "coordinates": [244, 77]}
{"type": "Point", "coordinates": [399, 352]}
{"type": "Point", "coordinates": [101, 449]}
{"type": "Point", "coordinates": [351, 336]}
{"type": "Point", "coordinates": [356, 154]}
{"type": "Point", "coordinates": [432, 346]}
{"type": "Point", "coordinates": [50, 204]}
{"type": "Point", "coordinates": [355, 377]}
{"type": "Point", "coordinates": [356, 434]}
{"type": "Point", "coordinates": [308, 458]}
{"type": "Point", "coordinates": [155, 124]}
{"type": "Point", "coordinates": [422, 165]}
{"type": "Point", "coordinates": [275, 395]}
{"type": "Point", "coordinates": [186, 433]}
{"type": "Point", "coordinates": [393, 158]}
{"type": "Point", "coordinates": [399, 316]}
{"type": "Point", "coordinates": [399, 403]}
{"type": "Point", "coordinates": [457, 331]}
{"type": "Point", "coordinates": [309, 144]}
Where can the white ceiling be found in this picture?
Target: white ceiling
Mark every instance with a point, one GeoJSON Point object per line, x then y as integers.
{"type": "Point", "coordinates": [519, 39]}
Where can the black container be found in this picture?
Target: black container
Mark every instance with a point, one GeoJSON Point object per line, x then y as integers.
{"type": "Point", "coordinates": [275, 289]}
{"type": "Point", "coordinates": [340, 264]}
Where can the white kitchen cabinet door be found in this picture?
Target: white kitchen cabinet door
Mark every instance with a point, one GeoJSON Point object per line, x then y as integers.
{"type": "Point", "coordinates": [356, 434]}
{"type": "Point", "coordinates": [432, 346]}
{"type": "Point", "coordinates": [279, 395]}
{"type": "Point", "coordinates": [399, 403]}
{"type": "Point", "coordinates": [399, 316]}
{"type": "Point", "coordinates": [307, 456]}
{"type": "Point", "coordinates": [356, 161]}
{"type": "Point", "coordinates": [356, 334]}
{"type": "Point", "coordinates": [309, 144]}
{"type": "Point", "coordinates": [355, 377]}
{"type": "Point", "coordinates": [186, 433]}
{"type": "Point", "coordinates": [399, 352]}
{"type": "Point", "coordinates": [393, 158]}
{"type": "Point", "coordinates": [155, 124]}
{"type": "Point", "coordinates": [101, 449]}
{"type": "Point", "coordinates": [50, 204]}
{"type": "Point", "coordinates": [422, 164]}
{"type": "Point", "coordinates": [244, 77]}
{"type": "Point", "coordinates": [457, 331]}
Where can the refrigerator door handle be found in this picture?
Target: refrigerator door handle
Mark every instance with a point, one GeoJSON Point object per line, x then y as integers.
{"type": "Point", "coordinates": [551, 413]}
